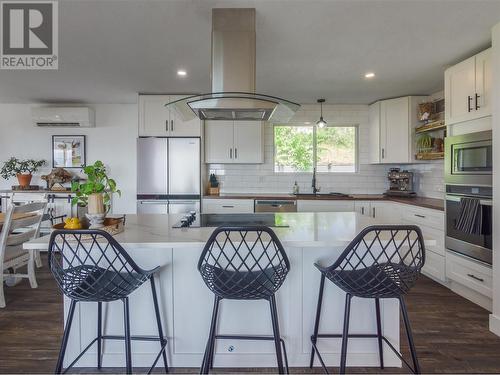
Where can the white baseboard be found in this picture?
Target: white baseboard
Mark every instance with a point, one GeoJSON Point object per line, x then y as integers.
{"type": "Point", "coordinates": [472, 295]}
{"type": "Point", "coordinates": [495, 324]}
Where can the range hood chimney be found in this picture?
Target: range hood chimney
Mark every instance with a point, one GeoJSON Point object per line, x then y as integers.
{"type": "Point", "coordinates": [233, 94]}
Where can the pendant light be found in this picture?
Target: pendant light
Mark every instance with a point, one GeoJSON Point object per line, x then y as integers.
{"type": "Point", "coordinates": [321, 123]}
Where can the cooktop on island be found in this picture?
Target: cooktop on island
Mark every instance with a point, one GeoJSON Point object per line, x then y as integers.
{"type": "Point", "coordinates": [194, 220]}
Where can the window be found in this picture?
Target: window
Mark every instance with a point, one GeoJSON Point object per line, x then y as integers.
{"type": "Point", "coordinates": [335, 148]}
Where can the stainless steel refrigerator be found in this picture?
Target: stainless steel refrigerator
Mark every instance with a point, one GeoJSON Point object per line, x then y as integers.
{"type": "Point", "coordinates": [168, 175]}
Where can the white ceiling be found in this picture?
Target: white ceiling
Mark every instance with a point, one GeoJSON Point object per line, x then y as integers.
{"type": "Point", "coordinates": [110, 49]}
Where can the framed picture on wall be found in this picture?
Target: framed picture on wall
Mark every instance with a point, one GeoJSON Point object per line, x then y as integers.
{"type": "Point", "coordinates": [68, 151]}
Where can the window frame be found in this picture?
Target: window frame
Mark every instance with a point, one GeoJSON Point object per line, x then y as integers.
{"type": "Point", "coordinates": [315, 148]}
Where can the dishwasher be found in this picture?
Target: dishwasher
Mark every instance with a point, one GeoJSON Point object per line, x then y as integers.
{"type": "Point", "coordinates": [268, 205]}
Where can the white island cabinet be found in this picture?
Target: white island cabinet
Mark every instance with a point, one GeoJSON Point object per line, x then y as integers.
{"type": "Point", "coordinates": [186, 303]}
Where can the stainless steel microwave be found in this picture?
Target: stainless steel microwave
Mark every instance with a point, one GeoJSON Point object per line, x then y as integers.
{"type": "Point", "coordinates": [468, 159]}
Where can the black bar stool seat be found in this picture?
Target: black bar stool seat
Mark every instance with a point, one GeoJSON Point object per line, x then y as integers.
{"type": "Point", "coordinates": [382, 280]}
{"type": "Point", "coordinates": [91, 266]}
{"type": "Point", "coordinates": [382, 261]}
{"type": "Point", "coordinates": [97, 284]}
{"type": "Point", "coordinates": [243, 284]}
{"type": "Point", "coordinates": [244, 263]}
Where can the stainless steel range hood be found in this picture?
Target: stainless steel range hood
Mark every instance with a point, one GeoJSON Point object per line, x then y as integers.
{"type": "Point", "coordinates": [233, 94]}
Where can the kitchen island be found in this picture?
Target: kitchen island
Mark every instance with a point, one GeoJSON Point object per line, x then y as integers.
{"type": "Point", "coordinates": [186, 302]}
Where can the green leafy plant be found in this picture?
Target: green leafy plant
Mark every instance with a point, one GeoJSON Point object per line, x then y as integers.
{"type": "Point", "coordinates": [97, 182]}
{"type": "Point", "coordinates": [424, 143]}
{"type": "Point", "coordinates": [14, 166]}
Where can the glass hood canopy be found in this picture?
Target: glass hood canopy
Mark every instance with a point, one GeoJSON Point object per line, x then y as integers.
{"type": "Point", "coordinates": [234, 106]}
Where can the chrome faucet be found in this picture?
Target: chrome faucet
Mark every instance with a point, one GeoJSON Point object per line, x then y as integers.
{"type": "Point", "coordinates": [313, 185]}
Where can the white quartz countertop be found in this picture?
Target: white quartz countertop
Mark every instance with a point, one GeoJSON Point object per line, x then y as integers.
{"type": "Point", "coordinates": [322, 229]}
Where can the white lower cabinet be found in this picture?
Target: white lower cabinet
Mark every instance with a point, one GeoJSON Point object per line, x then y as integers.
{"type": "Point", "coordinates": [363, 207]}
{"type": "Point", "coordinates": [469, 273]}
{"type": "Point", "coordinates": [324, 206]}
{"type": "Point", "coordinates": [385, 212]}
{"type": "Point", "coordinates": [227, 206]}
{"type": "Point", "coordinates": [431, 222]}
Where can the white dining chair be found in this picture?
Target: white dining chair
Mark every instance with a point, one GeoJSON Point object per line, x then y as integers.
{"type": "Point", "coordinates": [19, 198]}
{"type": "Point", "coordinates": [26, 218]}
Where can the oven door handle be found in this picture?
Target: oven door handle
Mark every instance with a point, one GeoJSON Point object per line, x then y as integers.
{"type": "Point", "coordinates": [483, 202]}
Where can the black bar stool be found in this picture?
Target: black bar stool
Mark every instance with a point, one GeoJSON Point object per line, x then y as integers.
{"type": "Point", "coordinates": [91, 266]}
{"type": "Point", "coordinates": [244, 263]}
{"type": "Point", "coordinates": [383, 261]}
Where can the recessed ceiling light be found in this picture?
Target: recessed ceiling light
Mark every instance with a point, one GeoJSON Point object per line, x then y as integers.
{"type": "Point", "coordinates": [181, 73]}
{"type": "Point", "coordinates": [369, 75]}
{"type": "Point", "coordinates": [307, 123]}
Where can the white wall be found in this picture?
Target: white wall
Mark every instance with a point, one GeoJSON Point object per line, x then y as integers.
{"type": "Point", "coordinates": [113, 141]}
{"type": "Point", "coordinates": [495, 316]}
{"type": "Point", "coordinates": [370, 179]}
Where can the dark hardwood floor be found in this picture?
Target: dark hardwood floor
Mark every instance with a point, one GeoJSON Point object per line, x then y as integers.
{"type": "Point", "coordinates": [450, 332]}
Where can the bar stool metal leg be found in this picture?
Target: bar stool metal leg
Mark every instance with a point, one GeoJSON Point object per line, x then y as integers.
{"type": "Point", "coordinates": [209, 350]}
{"type": "Point", "coordinates": [128, 346]}
{"type": "Point", "coordinates": [158, 322]}
{"type": "Point", "coordinates": [64, 343]}
{"type": "Point", "coordinates": [316, 322]}
{"type": "Point", "coordinates": [99, 335]}
{"type": "Point", "coordinates": [345, 334]}
{"type": "Point", "coordinates": [379, 333]}
{"type": "Point", "coordinates": [277, 337]}
{"type": "Point", "coordinates": [406, 319]}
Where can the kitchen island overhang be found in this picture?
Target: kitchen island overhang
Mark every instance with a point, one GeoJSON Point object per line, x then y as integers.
{"type": "Point", "coordinates": [186, 302]}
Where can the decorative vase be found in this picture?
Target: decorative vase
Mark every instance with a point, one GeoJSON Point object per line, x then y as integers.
{"type": "Point", "coordinates": [96, 220]}
{"type": "Point", "coordinates": [24, 179]}
{"type": "Point", "coordinates": [95, 205]}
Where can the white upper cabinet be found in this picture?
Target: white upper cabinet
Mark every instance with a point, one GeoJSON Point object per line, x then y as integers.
{"type": "Point", "coordinates": [248, 142]}
{"type": "Point", "coordinates": [468, 89]}
{"type": "Point", "coordinates": [391, 130]}
{"type": "Point", "coordinates": [157, 121]}
{"type": "Point", "coordinates": [219, 141]}
{"type": "Point", "coordinates": [234, 142]}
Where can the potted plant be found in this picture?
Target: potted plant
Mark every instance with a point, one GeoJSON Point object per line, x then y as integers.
{"type": "Point", "coordinates": [214, 185]}
{"type": "Point", "coordinates": [22, 169]}
{"type": "Point", "coordinates": [95, 193]}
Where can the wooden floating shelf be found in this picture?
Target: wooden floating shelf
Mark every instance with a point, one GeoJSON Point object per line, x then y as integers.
{"type": "Point", "coordinates": [436, 125]}
{"type": "Point", "coordinates": [430, 156]}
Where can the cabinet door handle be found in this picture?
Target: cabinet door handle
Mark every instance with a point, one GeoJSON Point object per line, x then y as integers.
{"type": "Point", "coordinates": [469, 100]}
{"type": "Point", "coordinates": [227, 206]}
{"type": "Point", "coordinates": [422, 216]}
{"type": "Point", "coordinates": [230, 153]}
{"type": "Point", "coordinates": [373, 211]}
{"type": "Point", "coordinates": [362, 210]}
{"type": "Point", "coordinates": [166, 126]}
{"type": "Point", "coordinates": [172, 125]}
{"type": "Point", "coordinates": [475, 277]}
{"type": "Point", "coordinates": [477, 102]}
{"type": "Point", "coordinates": [236, 153]}
{"type": "Point", "coordinates": [383, 153]}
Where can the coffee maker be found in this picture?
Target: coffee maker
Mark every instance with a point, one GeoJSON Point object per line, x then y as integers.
{"type": "Point", "coordinates": [400, 183]}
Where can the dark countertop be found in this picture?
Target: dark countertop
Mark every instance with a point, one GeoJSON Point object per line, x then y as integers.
{"type": "Point", "coordinates": [433, 203]}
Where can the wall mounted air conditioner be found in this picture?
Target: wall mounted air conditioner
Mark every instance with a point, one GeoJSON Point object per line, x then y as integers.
{"type": "Point", "coordinates": [69, 117]}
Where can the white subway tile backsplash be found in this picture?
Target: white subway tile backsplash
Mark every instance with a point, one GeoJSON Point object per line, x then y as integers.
{"type": "Point", "coordinates": [370, 179]}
